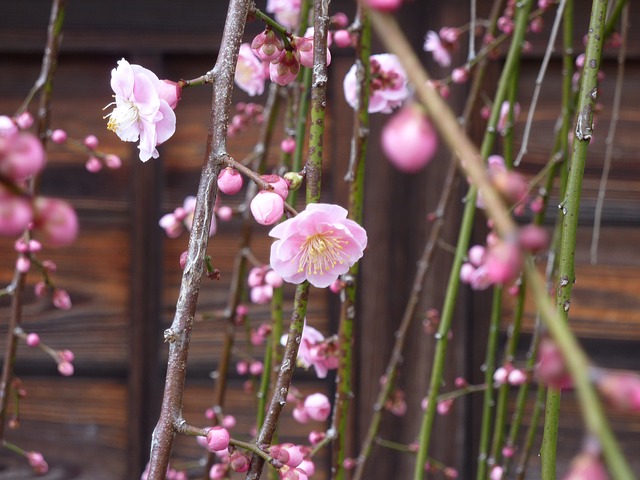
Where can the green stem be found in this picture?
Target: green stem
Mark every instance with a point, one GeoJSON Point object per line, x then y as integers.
{"type": "Point", "coordinates": [466, 228]}
{"type": "Point", "coordinates": [569, 209]}
{"type": "Point", "coordinates": [356, 174]}
{"type": "Point", "coordinates": [490, 366]}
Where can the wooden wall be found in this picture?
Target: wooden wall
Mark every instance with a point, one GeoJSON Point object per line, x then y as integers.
{"type": "Point", "coordinates": [123, 274]}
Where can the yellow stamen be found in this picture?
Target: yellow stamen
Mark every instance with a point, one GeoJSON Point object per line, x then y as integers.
{"type": "Point", "coordinates": [321, 252]}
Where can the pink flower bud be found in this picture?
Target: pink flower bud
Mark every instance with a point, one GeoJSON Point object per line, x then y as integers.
{"type": "Point", "coordinates": [308, 467]}
{"type": "Point", "coordinates": [496, 473]}
{"type": "Point", "coordinates": [225, 213]}
{"type": "Point", "coordinates": [295, 455]}
{"type": "Point", "coordinates": [25, 157]}
{"type": "Point", "coordinates": [217, 439]}
{"type": "Point", "coordinates": [587, 466]}
{"type": "Point", "coordinates": [261, 295]}
{"type": "Point", "coordinates": [91, 142]}
{"type": "Point", "coordinates": [508, 451]}
{"type": "Point", "coordinates": [384, 5]}
{"type": "Point", "coordinates": [24, 120]}
{"type": "Point", "coordinates": [408, 139]}
{"type": "Point", "coordinates": [621, 390]}
{"type": "Point", "coordinates": [267, 46]}
{"type": "Point", "coordinates": [273, 279]}
{"type": "Point", "coordinates": [305, 49]}
{"type": "Point", "coordinates": [66, 355]}
{"type": "Point", "coordinates": [316, 437]}
{"type": "Point", "coordinates": [112, 161]}
{"type": "Point", "coordinates": [444, 406]}
{"type": "Point", "coordinates": [533, 238]}
{"type": "Point", "coordinates": [170, 91]}
{"type": "Point", "coordinates": [61, 299]}
{"type": "Point", "coordinates": [183, 259]}
{"type": "Point", "coordinates": [256, 368]}
{"type": "Point", "coordinates": [461, 382]}
{"type": "Point", "coordinates": [340, 20]}
{"type": "Point", "coordinates": [238, 462]}
{"type": "Point", "coordinates": [279, 184]}
{"type": "Point", "coordinates": [551, 368]}
{"type": "Point", "coordinates": [65, 368]}
{"type": "Point", "coordinates": [288, 145]}
{"type": "Point", "coordinates": [58, 136]}
{"type": "Point", "coordinates": [93, 165]}
{"type": "Point", "coordinates": [218, 471]}
{"type": "Point", "coordinates": [460, 75]}
{"type": "Point", "coordinates": [342, 38]}
{"type": "Point", "coordinates": [228, 421]}
{"type": "Point", "coordinates": [37, 462]}
{"type": "Point", "coordinates": [267, 207]}
{"type": "Point", "coordinates": [33, 340]}
{"type": "Point", "coordinates": [256, 277]}
{"type": "Point", "coordinates": [517, 377]}
{"type": "Point", "coordinates": [300, 414]}
{"type": "Point", "coordinates": [23, 264]}
{"type": "Point", "coordinates": [500, 376]}
{"type": "Point", "coordinates": [229, 181]}
{"type": "Point", "coordinates": [279, 453]}
{"type": "Point", "coordinates": [317, 406]}
{"type": "Point", "coordinates": [242, 368]}
{"type": "Point", "coordinates": [503, 262]}
{"type": "Point", "coordinates": [56, 220]}
{"type": "Point", "coordinates": [40, 289]}
{"type": "Point", "coordinates": [284, 69]}
{"type": "Point", "coordinates": [476, 255]}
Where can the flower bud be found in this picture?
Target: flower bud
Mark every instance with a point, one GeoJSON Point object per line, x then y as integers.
{"type": "Point", "coordinates": [267, 207]}
{"type": "Point", "coordinates": [229, 181]}
{"type": "Point", "coordinates": [384, 5]}
{"type": "Point", "coordinates": [317, 406]}
{"type": "Point", "coordinates": [342, 38]}
{"type": "Point", "coordinates": [217, 439]}
{"type": "Point", "coordinates": [294, 179]}
{"type": "Point", "coordinates": [91, 142]}
{"type": "Point", "coordinates": [56, 220]}
{"type": "Point", "coordinates": [170, 91]}
{"type": "Point", "coordinates": [408, 139]}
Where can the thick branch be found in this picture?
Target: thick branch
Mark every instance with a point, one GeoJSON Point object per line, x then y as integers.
{"type": "Point", "coordinates": [179, 334]}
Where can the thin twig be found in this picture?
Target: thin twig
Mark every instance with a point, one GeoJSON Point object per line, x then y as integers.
{"type": "Point", "coordinates": [609, 141]}
{"type": "Point", "coordinates": [539, 79]}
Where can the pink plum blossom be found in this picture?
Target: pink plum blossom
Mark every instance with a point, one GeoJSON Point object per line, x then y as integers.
{"type": "Point", "coordinates": [317, 245]}
{"type": "Point", "coordinates": [409, 140]}
{"type": "Point", "coordinates": [388, 84]}
{"type": "Point", "coordinates": [286, 12]}
{"type": "Point", "coordinates": [441, 54]}
{"type": "Point", "coordinates": [250, 73]}
{"type": "Point", "coordinates": [140, 112]}
{"type": "Point", "coordinates": [284, 69]}
{"type": "Point", "coordinates": [503, 121]}
{"type": "Point", "coordinates": [267, 45]}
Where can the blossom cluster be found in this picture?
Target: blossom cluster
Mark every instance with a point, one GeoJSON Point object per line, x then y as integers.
{"type": "Point", "coordinates": [21, 158]}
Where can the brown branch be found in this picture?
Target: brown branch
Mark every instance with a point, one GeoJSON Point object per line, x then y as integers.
{"type": "Point", "coordinates": [179, 334]}
{"type": "Point", "coordinates": [44, 83]}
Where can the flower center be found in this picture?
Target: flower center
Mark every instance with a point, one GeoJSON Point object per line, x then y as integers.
{"type": "Point", "coordinates": [321, 252]}
{"type": "Point", "coordinates": [123, 116]}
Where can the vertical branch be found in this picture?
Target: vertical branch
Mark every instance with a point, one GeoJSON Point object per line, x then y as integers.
{"type": "Point", "coordinates": [318, 100]}
{"type": "Point", "coordinates": [355, 175]}
{"type": "Point", "coordinates": [179, 334]}
{"type": "Point", "coordinates": [313, 169]}
{"type": "Point", "coordinates": [569, 209]}
{"type": "Point", "coordinates": [44, 83]}
{"type": "Point", "coordinates": [281, 387]}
